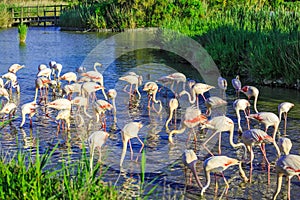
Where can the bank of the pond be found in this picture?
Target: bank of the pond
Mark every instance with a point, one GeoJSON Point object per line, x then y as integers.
{"type": "Point", "coordinates": [33, 176]}
{"type": "Point", "coordinates": [260, 42]}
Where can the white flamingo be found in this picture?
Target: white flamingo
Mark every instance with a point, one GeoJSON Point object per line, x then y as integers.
{"type": "Point", "coordinates": [284, 108]}
{"type": "Point", "coordinates": [244, 105]}
{"type": "Point", "coordinates": [130, 131]}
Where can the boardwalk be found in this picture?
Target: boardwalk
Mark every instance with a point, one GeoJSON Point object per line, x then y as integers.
{"type": "Point", "coordinates": [37, 15]}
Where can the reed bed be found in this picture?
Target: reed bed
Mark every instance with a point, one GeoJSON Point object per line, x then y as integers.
{"type": "Point", "coordinates": [30, 176]}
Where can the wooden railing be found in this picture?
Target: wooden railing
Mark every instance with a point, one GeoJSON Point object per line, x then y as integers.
{"type": "Point", "coordinates": [37, 15]}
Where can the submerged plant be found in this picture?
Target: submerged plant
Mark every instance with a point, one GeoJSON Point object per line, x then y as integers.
{"type": "Point", "coordinates": [22, 30]}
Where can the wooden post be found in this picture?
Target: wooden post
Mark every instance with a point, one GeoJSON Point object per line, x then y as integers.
{"type": "Point", "coordinates": [44, 17]}
{"type": "Point", "coordinates": [21, 15]}
{"type": "Point", "coordinates": [55, 20]}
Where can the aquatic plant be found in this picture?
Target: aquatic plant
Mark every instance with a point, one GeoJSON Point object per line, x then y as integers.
{"type": "Point", "coordinates": [22, 30]}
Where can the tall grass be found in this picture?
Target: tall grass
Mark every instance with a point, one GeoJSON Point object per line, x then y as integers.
{"type": "Point", "coordinates": [25, 177]}
{"type": "Point", "coordinates": [5, 18]}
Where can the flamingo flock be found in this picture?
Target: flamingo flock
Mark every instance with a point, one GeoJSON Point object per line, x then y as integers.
{"type": "Point", "coordinates": [84, 85]}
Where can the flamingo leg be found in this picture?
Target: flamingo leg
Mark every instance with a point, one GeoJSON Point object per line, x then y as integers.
{"type": "Point", "coordinates": [227, 185]}
{"type": "Point", "coordinates": [131, 151]}
{"type": "Point", "coordinates": [220, 139]}
{"type": "Point", "coordinates": [140, 149]}
{"type": "Point", "coordinates": [251, 164]}
{"type": "Point", "coordinates": [289, 187]}
{"type": "Point", "coordinates": [263, 150]}
{"type": "Point", "coordinates": [204, 144]}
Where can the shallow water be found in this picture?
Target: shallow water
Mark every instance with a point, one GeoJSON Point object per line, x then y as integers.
{"type": "Point", "coordinates": [73, 49]}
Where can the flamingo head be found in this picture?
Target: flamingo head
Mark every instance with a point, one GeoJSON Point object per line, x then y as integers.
{"type": "Point", "coordinates": [255, 116]}
{"type": "Point", "coordinates": [245, 88]}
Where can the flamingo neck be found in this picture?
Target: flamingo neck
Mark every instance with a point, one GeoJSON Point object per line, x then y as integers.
{"type": "Point", "coordinates": [235, 145]}
{"type": "Point", "coordinates": [207, 175]}
{"type": "Point", "coordinates": [255, 102]}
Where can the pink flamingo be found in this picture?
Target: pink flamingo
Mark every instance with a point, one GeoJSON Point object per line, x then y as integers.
{"type": "Point", "coordinates": [46, 72]}
{"type": "Point", "coordinates": [221, 124]}
{"type": "Point", "coordinates": [9, 109]}
{"type": "Point", "coordinates": [30, 109]}
{"type": "Point", "coordinates": [130, 131]}
{"type": "Point", "coordinates": [251, 91]}
{"type": "Point", "coordinates": [15, 67]}
{"type": "Point", "coordinates": [177, 77]}
{"type": "Point", "coordinates": [96, 76]}
{"type": "Point", "coordinates": [190, 159]}
{"type": "Point", "coordinates": [69, 76]}
{"type": "Point", "coordinates": [196, 89]}
{"type": "Point", "coordinates": [41, 83]}
{"type": "Point", "coordinates": [173, 105]}
{"type": "Point", "coordinates": [258, 137]}
{"type": "Point", "coordinates": [112, 94]}
{"type": "Point", "coordinates": [132, 79]}
{"type": "Point", "coordinates": [287, 165]}
{"type": "Point", "coordinates": [218, 164]}
{"type": "Point", "coordinates": [96, 140]}
{"type": "Point", "coordinates": [81, 102]}
{"type": "Point", "coordinates": [60, 104]}
{"type": "Point", "coordinates": [63, 115]}
{"type": "Point", "coordinates": [192, 118]}
{"type": "Point", "coordinates": [237, 85]}
{"type": "Point", "coordinates": [284, 108]}
{"type": "Point", "coordinates": [213, 102]}
{"type": "Point", "coordinates": [90, 88]}
{"type": "Point", "coordinates": [4, 93]}
{"type": "Point", "coordinates": [244, 105]}
{"type": "Point", "coordinates": [100, 107]}
{"type": "Point", "coordinates": [151, 88]}
{"type": "Point", "coordinates": [268, 119]}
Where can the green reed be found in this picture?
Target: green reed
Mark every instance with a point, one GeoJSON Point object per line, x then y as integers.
{"type": "Point", "coordinates": [26, 176]}
{"type": "Point", "coordinates": [5, 17]}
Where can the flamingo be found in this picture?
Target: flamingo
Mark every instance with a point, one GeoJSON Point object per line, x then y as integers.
{"type": "Point", "coordinates": [1, 83]}
{"type": "Point", "coordinates": [69, 76]}
{"type": "Point", "coordinates": [28, 108]}
{"type": "Point", "coordinates": [268, 119]}
{"type": "Point", "coordinates": [177, 77]}
{"type": "Point", "coordinates": [258, 137]}
{"type": "Point", "coordinates": [9, 109]}
{"type": "Point", "coordinates": [129, 131]}
{"type": "Point", "coordinates": [100, 107]}
{"type": "Point", "coordinates": [220, 164]}
{"type": "Point", "coordinates": [56, 67]}
{"type": "Point", "coordinates": [190, 159]}
{"type": "Point", "coordinates": [41, 67]}
{"type": "Point", "coordinates": [284, 108]}
{"type": "Point", "coordinates": [241, 104]}
{"type": "Point", "coordinates": [41, 83]}
{"type": "Point", "coordinates": [222, 83]}
{"type": "Point", "coordinates": [251, 91]}
{"type": "Point", "coordinates": [96, 76]}
{"type": "Point", "coordinates": [288, 165]}
{"type": "Point", "coordinates": [151, 88]}
{"type": "Point", "coordinates": [96, 140]}
{"type": "Point", "coordinates": [81, 102]}
{"type": "Point", "coordinates": [45, 73]}
{"type": "Point", "coordinates": [196, 89]}
{"type": "Point", "coordinates": [112, 94]}
{"type": "Point", "coordinates": [132, 79]}
{"type": "Point", "coordinates": [237, 85]}
{"type": "Point", "coordinates": [71, 89]}
{"type": "Point", "coordinates": [15, 67]}
{"type": "Point", "coordinates": [213, 102]}
{"type": "Point", "coordinates": [173, 105]}
{"type": "Point", "coordinates": [60, 104]}
{"type": "Point", "coordinates": [4, 93]}
{"type": "Point", "coordinates": [64, 114]}
{"type": "Point", "coordinates": [192, 118]}
{"type": "Point", "coordinates": [221, 124]}
{"type": "Point", "coordinates": [12, 79]}
{"type": "Point", "coordinates": [91, 88]}
{"type": "Point", "coordinates": [80, 69]}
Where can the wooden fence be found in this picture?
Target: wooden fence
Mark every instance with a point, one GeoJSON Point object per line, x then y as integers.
{"type": "Point", "coordinates": [37, 15]}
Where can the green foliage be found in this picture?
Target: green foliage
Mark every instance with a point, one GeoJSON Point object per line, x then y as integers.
{"type": "Point", "coordinates": [30, 177]}
{"type": "Point", "coordinates": [4, 16]}
{"type": "Point", "coordinates": [22, 30]}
